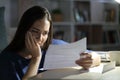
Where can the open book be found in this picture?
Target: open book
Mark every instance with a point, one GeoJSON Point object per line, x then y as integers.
{"type": "Point", "coordinates": [62, 56]}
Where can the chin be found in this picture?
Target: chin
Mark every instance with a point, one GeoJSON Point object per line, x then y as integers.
{"type": "Point", "coordinates": [41, 45]}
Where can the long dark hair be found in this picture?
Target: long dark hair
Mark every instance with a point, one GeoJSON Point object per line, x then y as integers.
{"type": "Point", "coordinates": [28, 18]}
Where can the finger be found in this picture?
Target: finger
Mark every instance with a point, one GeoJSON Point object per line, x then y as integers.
{"type": "Point", "coordinates": [33, 40]}
{"type": "Point", "coordinates": [31, 43]}
{"type": "Point", "coordinates": [86, 66]}
{"type": "Point", "coordinates": [83, 53]}
{"type": "Point", "coordinates": [89, 55]}
{"type": "Point", "coordinates": [27, 41]}
{"type": "Point", "coordinates": [86, 55]}
{"type": "Point", "coordinates": [84, 61]}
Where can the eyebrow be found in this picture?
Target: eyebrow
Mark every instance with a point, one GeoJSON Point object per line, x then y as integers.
{"type": "Point", "coordinates": [36, 29]}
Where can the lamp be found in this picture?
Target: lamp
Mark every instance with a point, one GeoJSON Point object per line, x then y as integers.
{"type": "Point", "coordinates": [118, 1]}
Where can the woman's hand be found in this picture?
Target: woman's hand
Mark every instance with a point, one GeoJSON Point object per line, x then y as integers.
{"type": "Point", "coordinates": [35, 51]}
{"type": "Point", "coordinates": [32, 46]}
{"type": "Point", "coordinates": [88, 60]}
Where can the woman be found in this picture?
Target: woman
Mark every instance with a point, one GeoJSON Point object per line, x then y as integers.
{"type": "Point", "coordinates": [24, 56]}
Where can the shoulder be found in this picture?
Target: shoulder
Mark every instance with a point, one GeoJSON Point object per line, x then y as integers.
{"type": "Point", "coordinates": [8, 56]}
{"type": "Point", "coordinates": [5, 59]}
{"type": "Point", "coordinates": [5, 62]}
{"type": "Point", "coordinates": [58, 41]}
{"type": "Point", "coordinates": [11, 64]}
{"type": "Point", "coordinates": [3, 56]}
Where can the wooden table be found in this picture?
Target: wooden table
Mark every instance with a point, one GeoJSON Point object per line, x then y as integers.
{"type": "Point", "coordinates": [73, 73]}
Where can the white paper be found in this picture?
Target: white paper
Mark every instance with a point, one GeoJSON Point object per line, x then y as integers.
{"type": "Point", "coordinates": [97, 69]}
{"type": "Point", "coordinates": [109, 66]}
{"type": "Point", "coordinates": [61, 56]}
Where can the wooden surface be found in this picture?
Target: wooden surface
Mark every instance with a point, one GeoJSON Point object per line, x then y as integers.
{"type": "Point", "coordinates": [72, 73]}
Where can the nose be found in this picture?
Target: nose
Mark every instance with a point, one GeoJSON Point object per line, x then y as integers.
{"type": "Point", "coordinates": [40, 37]}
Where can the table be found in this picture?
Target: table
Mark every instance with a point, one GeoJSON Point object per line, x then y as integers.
{"type": "Point", "coordinates": [112, 74]}
{"type": "Point", "coordinates": [74, 73]}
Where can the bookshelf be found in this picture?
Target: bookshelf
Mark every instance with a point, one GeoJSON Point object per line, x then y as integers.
{"type": "Point", "coordinates": [97, 20]}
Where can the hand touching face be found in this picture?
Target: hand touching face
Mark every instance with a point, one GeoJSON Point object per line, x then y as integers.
{"type": "Point", "coordinates": [37, 36]}
{"type": "Point", "coordinates": [40, 30]}
{"type": "Point", "coordinates": [32, 45]}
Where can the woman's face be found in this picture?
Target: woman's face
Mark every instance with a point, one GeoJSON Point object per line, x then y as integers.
{"type": "Point", "coordinates": [40, 30]}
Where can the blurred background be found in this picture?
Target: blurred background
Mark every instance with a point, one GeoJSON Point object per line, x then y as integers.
{"type": "Point", "coordinates": [98, 20]}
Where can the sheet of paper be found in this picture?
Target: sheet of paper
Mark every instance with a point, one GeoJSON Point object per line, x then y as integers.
{"type": "Point", "coordinates": [97, 69]}
{"type": "Point", "coordinates": [61, 56]}
{"type": "Point", "coordinates": [109, 66]}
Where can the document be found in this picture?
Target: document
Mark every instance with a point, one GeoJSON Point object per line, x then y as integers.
{"type": "Point", "coordinates": [62, 56]}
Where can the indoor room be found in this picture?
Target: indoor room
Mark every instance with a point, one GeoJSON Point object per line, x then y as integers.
{"type": "Point", "coordinates": [88, 25]}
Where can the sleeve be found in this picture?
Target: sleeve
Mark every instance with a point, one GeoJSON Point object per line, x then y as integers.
{"type": "Point", "coordinates": [58, 42]}
{"type": "Point", "coordinates": [7, 71]}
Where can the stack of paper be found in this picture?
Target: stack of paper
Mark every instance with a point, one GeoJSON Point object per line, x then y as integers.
{"type": "Point", "coordinates": [108, 66]}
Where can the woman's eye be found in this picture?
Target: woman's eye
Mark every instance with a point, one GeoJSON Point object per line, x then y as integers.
{"type": "Point", "coordinates": [45, 33]}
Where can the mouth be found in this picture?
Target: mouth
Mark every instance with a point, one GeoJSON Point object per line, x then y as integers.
{"type": "Point", "coordinates": [40, 43]}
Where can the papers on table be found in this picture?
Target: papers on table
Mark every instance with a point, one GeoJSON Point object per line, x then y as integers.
{"type": "Point", "coordinates": [97, 69]}
{"type": "Point", "coordinates": [105, 57]}
{"type": "Point", "coordinates": [61, 56]}
{"type": "Point", "coordinates": [109, 66]}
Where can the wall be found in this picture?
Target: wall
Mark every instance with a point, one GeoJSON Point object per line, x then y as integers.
{"type": "Point", "coordinates": [5, 22]}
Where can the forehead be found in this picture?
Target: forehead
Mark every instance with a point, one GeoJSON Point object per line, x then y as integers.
{"type": "Point", "coordinates": [41, 24]}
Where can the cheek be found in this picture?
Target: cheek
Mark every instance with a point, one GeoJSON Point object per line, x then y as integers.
{"type": "Point", "coordinates": [42, 40]}
{"type": "Point", "coordinates": [35, 35]}
{"type": "Point", "coordinates": [45, 38]}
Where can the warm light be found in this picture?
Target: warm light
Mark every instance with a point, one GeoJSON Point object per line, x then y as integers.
{"type": "Point", "coordinates": [117, 1]}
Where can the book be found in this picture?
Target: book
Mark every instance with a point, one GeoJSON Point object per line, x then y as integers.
{"type": "Point", "coordinates": [108, 66]}
{"type": "Point", "coordinates": [110, 15]}
{"type": "Point", "coordinates": [111, 37]}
